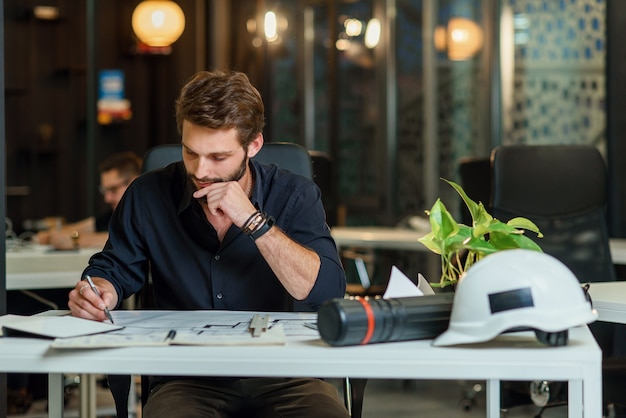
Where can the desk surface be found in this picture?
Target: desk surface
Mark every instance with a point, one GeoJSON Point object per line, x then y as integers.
{"type": "Point", "coordinates": [618, 250]}
{"type": "Point", "coordinates": [609, 299]}
{"type": "Point", "coordinates": [38, 267]}
{"type": "Point", "coordinates": [512, 357]}
{"type": "Point", "coordinates": [523, 355]}
{"type": "Point", "coordinates": [388, 238]}
{"type": "Point", "coordinates": [378, 237]}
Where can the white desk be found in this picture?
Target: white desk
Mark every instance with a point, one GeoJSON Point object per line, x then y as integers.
{"type": "Point", "coordinates": [609, 299]}
{"type": "Point", "coordinates": [618, 250]}
{"type": "Point", "coordinates": [387, 238]}
{"type": "Point", "coordinates": [379, 237]}
{"type": "Point", "coordinates": [37, 267]}
{"type": "Point", "coordinates": [511, 357]}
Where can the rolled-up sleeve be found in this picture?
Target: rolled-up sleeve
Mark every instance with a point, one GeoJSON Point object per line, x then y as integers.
{"type": "Point", "coordinates": [123, 260]}
{"type": "Point", "coordinates": [304, 220]}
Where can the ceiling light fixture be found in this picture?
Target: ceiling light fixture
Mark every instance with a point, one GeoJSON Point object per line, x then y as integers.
{"type": "Point", "coordinates": [462, 38]}
{"type": "Point", "coordinates": [158, 23]}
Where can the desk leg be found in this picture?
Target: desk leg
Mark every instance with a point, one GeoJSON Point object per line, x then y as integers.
{"type": "Point", "coordinates": [575, 399]}
{"type": "Point", "coordinates": [55, 395]}
{"type": "Point", "coordinates": [493, 398]}
{"type": "Point", "coordinates": [88, 395]}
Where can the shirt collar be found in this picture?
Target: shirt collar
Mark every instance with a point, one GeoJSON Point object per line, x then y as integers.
{"type": "Point", "coordinates": [187, 196]}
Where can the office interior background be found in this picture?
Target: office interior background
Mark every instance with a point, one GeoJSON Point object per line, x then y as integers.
{"type": "Point", "coordinates": [394, 113]}
{"type": "Point", "coordinates": [394, 116]}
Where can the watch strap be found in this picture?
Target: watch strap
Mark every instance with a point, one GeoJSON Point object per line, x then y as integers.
{"type": "Point", "coordinates": [267, 225]}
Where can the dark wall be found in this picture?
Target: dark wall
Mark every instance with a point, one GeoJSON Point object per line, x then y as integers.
{"type": "Point", "coordinates": [47, 75]}
{"type": "Point", "coordinates": [45, 90]}
{"type": "Point", "coordinates": [616, 123]}
{"type": "Point", "coordinates": [3, 293]}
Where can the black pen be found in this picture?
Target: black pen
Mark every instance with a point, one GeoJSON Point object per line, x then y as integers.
{"type": "Point", "coordinates": [95, 290]}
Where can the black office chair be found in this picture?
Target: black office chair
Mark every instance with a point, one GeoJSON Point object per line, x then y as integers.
{"type": "Point", "coordinates": [161, 155]}
{"type": "Point", "coordinates": [475, 178]}
{"type": "Point", "coordinates": [286, 155]}
{"type": "Point", "coordinates": [563, 189]}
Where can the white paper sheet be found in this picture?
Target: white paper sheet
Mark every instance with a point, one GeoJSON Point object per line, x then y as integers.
{"type": "Point", "coordinates": [110, 340]}
{"type": "Point", "coordinates": [151, 328]}
{"type": "Point", "coordinates": [273, 336]}
{"type": "Point", "coordinates": [424, 286]}
{"type": "Point", "coordinates": [53, 326]}
{"type": "Point", "coordinates": [400, 286]}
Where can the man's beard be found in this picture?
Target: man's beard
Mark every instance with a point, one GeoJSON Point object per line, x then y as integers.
{"type": "Point", "coordinates": [234, 176]}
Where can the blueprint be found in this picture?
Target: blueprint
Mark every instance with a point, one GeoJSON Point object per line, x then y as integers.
{"type": "Point", "coordinates": [161, 328]}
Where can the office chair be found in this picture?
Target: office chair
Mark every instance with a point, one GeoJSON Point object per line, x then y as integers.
{"type": "Point", "coordinates": [475, 178]}
{"type": "Point", "coordinates": [286, 155]}
{"type": "Point", "coordinates": [563, 189]}
{"type": "Point", "coordinates": [161, 155]}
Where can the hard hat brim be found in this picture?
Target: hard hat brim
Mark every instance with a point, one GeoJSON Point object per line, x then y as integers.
{"type": "Point", "coordinates": [456, 335]}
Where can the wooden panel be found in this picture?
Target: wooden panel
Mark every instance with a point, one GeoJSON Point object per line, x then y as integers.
{"type": "Point", "coordinates": [47, 105]}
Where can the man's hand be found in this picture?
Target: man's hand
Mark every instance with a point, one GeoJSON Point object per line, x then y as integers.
{"type": "Point", "coordinates": [84, 303]}
{"type": "Point", "coordinates": [227, 199]}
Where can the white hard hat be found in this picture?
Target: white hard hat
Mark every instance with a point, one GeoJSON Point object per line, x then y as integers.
{"type": "Point", "coordinates": [515, 289]}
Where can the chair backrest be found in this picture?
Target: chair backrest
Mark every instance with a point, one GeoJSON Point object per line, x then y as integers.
{"type": "Point", "coordinates": [160, 156]}
{"type": "Point", "coordinates": [562, 188]}
{"type": "Point", "coordinates": [286, 155]}
{"type": "Point", "coordinates": [475, 176]}
{"type": "Point", "coordinates": [323, 175]}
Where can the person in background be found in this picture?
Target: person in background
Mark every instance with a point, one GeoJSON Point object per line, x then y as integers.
{"type": "Point", "coordinates": [116, 173]}
{"type": "Point", "coordinates": [221, 231]}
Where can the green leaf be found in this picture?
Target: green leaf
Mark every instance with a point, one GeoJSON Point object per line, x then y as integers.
{"type": "Point", "coordinates": [455, 243]}
{"type": "Point", "coordinates": [511, 241]}
{"type": "Point", "coordinates": [525, 224]}
{"type": "Point", "coordinates": [442, 226]}
{"type": "Point", "coordinates": [441, 221]}
{"type": "Point", "coordinates": [471, 205]}
{"type": "Point", "coordinates": [482, 217]}
{"type": "Point", "coordinates": [431, 242]}
{"type": "Point", "coordinates": [495, 226]}
{"type": "Point", "coordinates": [479, 245]}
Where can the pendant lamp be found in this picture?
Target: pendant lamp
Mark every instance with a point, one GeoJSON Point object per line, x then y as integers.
{"type": "Point", "coordinates": [462, 39]}
{"type": "Point", "coordinates": [158, 23]}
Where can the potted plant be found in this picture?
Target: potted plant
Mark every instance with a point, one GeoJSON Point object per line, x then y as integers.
{"type": "Point", "coordinates": [461, 245]}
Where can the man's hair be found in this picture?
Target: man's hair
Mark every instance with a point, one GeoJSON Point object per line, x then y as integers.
{"type": "Point", "coordinates": [222, 100]}
{"type": "Point", "coordinates": [127, 164]}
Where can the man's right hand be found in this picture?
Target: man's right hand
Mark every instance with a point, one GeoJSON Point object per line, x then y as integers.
{"type": "Point", "coordinates": [85, 303]}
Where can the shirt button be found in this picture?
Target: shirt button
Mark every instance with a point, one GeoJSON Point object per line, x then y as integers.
{"type": "Point", "coordinates": [217, 257]}
{"type": "Point", "coordinates": [219, 295]}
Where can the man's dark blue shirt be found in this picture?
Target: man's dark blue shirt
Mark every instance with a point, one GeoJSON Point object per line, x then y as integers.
{"type": "Point", "coordinates": [160, 231]}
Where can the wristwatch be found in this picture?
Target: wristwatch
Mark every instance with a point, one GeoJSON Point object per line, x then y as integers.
{"type": "Point", "coordinates": [264, 228]}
